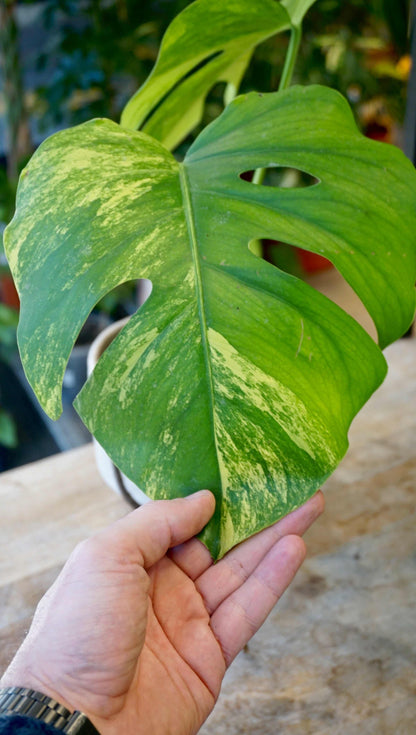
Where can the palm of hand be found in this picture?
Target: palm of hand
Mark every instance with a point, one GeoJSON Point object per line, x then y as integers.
{"type": "Point", "coordinates": [136, 639]}
{"type": "Point", "coordinates": [139, 639]}
{"type": "Point", "coordinates": [199, 617]}
{"type": "Point", "coordinates": [157, 665]}
{"type": "Point", "coordinates": [181, 664]}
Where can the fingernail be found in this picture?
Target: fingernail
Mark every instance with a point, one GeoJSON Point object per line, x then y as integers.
{"type": "Point", "coordinates": [198, 494]}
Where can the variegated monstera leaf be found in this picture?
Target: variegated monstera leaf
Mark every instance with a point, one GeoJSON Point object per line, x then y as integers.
{"type": "Point", "coordinates": [233, 376]}
{"type": "Point", "coordinates": [209, 41]}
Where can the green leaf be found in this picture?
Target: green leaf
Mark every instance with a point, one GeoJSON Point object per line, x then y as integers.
{"type": "Point", "coordinates": [8, 317]}
{"type": "Point", "coordinates": [8, 324]}
{"type": "Point", "coordinates": [8, 432]}
{"type": "Point", "coordinates": [233, 376]}
{"type": "Point", "coordinates": [209, 41]}
{"type": "Point", "coordinates": [297, 9]}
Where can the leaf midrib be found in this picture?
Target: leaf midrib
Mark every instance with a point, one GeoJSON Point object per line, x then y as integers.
{"type": "Point", "coordinates": [187, 205]}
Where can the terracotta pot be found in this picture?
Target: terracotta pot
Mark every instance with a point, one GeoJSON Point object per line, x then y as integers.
{"type": "Point", "coordinates": [111, 475]}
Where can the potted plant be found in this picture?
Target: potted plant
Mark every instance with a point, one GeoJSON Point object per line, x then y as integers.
{"type": "Point", "coordinates": [233, 375]}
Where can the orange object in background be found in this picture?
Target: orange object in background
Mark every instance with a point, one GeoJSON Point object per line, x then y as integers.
{"type": "Point", "coordinates": [312, 262]}
{"type": "Point", "coordinates": [8, 293]}
{"type": "Point", "coordinates": [377, 123]}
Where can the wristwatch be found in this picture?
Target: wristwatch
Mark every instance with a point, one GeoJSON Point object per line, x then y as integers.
{"type": "Point", "coordinates": [28, 702]}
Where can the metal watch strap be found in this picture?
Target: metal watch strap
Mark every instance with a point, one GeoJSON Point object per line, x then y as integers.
{"type": "Point", "coordinates": [28, 702]}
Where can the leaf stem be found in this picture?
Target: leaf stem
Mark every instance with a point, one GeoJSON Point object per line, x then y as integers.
{"type": "Point", "coordinates": [285, 80]}
{"type": "Point", "coordinates": [291, 56]}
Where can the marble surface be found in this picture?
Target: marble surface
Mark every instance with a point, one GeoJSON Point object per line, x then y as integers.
{"type": "Point", "coordinates": [338, 654]}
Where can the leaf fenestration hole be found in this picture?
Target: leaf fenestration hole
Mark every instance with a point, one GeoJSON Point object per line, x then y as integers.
{"type": "Point", "coordinates": [143, 290]}
{"type": "Point", "coordinates": [283, 177]}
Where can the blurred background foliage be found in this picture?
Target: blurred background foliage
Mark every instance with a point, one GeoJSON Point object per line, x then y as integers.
{"type": "Point", "coordinates": [65, 61]}
{"type": "Point", "coordinates": [92, 55]}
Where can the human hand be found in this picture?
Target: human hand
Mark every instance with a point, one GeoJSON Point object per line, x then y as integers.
{"type": "Point", "coordinates": [138, 636]}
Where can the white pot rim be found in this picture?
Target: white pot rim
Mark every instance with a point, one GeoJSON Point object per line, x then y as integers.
{"type": "Point", "coordinates": [111, 475]}
{"type": "Point", "coordinates": [102, 341]}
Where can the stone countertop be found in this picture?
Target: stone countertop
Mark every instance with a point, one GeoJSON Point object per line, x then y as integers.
{"type": "Point", "coordinates": [338, 654]}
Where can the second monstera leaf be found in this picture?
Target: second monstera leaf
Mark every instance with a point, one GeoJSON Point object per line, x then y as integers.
{"type": "Point", "coordinates": [208, 42]}
{"type": "Point", "coordinates": [233, 376]}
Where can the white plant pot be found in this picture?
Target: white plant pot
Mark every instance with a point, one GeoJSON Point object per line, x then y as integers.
{"type": "Point", "coordinates": [111, 475]}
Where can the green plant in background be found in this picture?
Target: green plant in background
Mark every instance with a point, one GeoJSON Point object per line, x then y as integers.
{"type": "Point", "coordinates": [15, 125]}
{"type": "Point", "coordinates": [85, 80]}
{"type": "Point", "coordinates": [8, 324]}
{"type": "Point", "coordinates": [233, 375]}
{"type": "Point", "coordinates": [363, 52]}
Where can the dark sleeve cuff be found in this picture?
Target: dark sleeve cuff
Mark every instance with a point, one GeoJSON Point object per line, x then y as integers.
{"type": "Point", "coordinates": [21, 725]}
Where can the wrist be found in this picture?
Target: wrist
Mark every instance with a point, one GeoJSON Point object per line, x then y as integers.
{"type": "Point", "coordinates": [35, 705]}
{"type": "Point", "coordinates": [20, 674]}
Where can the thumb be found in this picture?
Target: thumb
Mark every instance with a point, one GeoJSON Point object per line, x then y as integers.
{"type": "Point", "coordinates": [148, 532]}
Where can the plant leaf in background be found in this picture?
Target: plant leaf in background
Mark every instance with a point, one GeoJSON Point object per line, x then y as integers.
{"type": "Point", "coordinates": [8, 432]}
{"type": "Point", "coordinates": [8, 324]}
{"type": "Point", "coordinates": [233, 375]}
{"type": "Point", "coordinates": [206, 43]}
{"type": "Point", "coordinates": [297, 9]}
